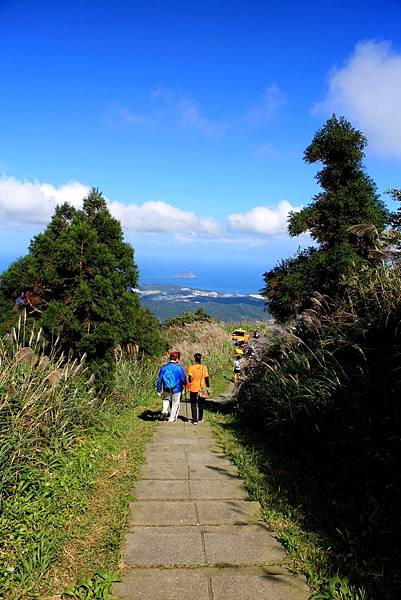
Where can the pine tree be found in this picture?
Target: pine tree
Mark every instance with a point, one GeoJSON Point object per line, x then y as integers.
{"type": "Point", "coordinates": [75, 281]}
{"type": "Point", "coordinates": [348, 198]}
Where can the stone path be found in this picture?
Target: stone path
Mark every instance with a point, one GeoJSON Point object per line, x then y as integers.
{"type": "Point", "coordinates": [193, 534]}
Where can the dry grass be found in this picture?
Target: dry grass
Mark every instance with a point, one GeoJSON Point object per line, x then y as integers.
{"type": "Point", "coordinates": [197, 337]}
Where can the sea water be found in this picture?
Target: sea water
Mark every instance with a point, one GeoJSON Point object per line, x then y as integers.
{"type": "Point", "coordinates": [221, 277]}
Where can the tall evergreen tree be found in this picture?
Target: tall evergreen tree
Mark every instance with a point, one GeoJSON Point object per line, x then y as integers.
{"type": "Point", "coordinates": [75, 280]}
{"type": "Point", "coordinates": [348, 198]}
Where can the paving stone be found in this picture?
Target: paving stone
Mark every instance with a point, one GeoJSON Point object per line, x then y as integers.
{"type": "Point", "coordinates": [163, 546]}
{"type": "Point", "coordinates": [183, 446]}
{"type": "Point", "coordinates": [164, 454]}
{"type": "Point", "coordinates": [165, 458]}
{"type": "Point", "coordinates": [226, 472]}
{"type": "Point", "coordinates": [242, 544]}
{"type": "Point", "coordinates": [163, 471]}
{"type": "Point", "coordinates": [192, 511]}
{"type": "Point", "coordinates": [217, 489]}
{"type": "Point", "coordinates": [161, 489]}
{"type": "Point", "coordinates": [162, 513]}
{"type": "Point", "coordinates": [271, 586]}
{"type": "Point", "coordinates": [172, 442]}
{"type": "Point", "coordinates": [164, 584]}
{"type": "Point", "coordinates": [228, 512]}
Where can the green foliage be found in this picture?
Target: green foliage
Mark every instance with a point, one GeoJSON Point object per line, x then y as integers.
{"type": "Point", "coordinates": [44, 403]}
{"type": "Point", "coordinates": [339, 588]}
{"type": "Point", "coordinates": [348, 198]}
{"type": "Point", "coordinates": [326, 396]}
{"type": "Point", "coordinates": [97, 587]}
{"type": "Point", "coordinates": [75, 282]}
{"type": "Point", "coordinates": [309, 551]}
{"type": "Point", "coordinates": [55, 441]}
{"type": "Point", "coordinates": [349, 195]}
{"type": "Point", "coordinates": [186, 318]}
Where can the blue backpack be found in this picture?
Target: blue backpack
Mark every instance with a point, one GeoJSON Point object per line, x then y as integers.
{"type": "Point", "coordinates": [169, 379]}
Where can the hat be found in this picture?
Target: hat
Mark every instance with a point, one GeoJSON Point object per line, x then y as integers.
{"type": "Point", "coordinates": [174, 355]}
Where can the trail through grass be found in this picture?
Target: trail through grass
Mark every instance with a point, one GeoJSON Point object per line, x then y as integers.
{"type": "Point", "coordinates": [64, 513]}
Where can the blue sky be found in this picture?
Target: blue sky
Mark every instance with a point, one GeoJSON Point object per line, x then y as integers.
{"type": "Point", "coordinates": [191, 117]}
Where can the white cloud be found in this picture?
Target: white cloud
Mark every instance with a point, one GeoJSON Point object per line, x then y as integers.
{"type": "Point", "coordinates": [26, 203]}
{"type": "Point", "coordinates": [263, 112]}
{"type": "Point", "coordinates": [32, 204]}
{"type": "Point", "coordinates": [160, 217]}
{"type": "Point", "coordinates": [367, 89]}
{"type": "Point", "coordinates": [263, 220]}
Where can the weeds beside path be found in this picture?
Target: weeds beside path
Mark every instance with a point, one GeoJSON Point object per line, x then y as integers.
{"type": "Point", "coordinates": [95, 536]}
{"type": "Point", "coordinates": [64, 516]}
{"type": "Point", "coordinates": [309, 552]}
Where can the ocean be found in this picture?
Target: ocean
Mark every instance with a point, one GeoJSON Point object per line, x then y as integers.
{"type": "Point", "coordinates": [224, 278]}
{"type": "Point", "coordinates": [241, 279]}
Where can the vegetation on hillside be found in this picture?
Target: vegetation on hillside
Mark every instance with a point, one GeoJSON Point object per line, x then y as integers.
{"type": "Point", "coordinates": [316, 429]}
{"type": "Point", "coordinates": [186, 318]}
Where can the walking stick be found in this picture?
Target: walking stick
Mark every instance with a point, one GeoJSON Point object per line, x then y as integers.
{"type": "Point", "coordinates": [186, 403]}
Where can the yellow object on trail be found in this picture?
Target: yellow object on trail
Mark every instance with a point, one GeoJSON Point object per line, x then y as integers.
{"type": "Point", "coordinates": [239, 335]}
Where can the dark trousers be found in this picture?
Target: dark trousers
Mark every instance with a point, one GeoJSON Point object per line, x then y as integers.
{"type": "Point", "coordinates": [197, 405]}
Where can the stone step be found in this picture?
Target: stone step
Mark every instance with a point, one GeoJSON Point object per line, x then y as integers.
{"type": "Point", "coordinates": [173, 489]}
{"type": "Point", "coordinates": [202, 545]}
{"type": "Point", "coordinates": [186, 471]}
{"type": "Point", "coordinates": [193, 534]}
{"type": "Point", "coordinates": [203, 512]}
{"type": "Point", "coordinates": [250, 583]}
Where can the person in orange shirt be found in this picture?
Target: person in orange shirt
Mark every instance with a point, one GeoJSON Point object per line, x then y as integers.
{"type": "Point", "coordinates": [198, 380]}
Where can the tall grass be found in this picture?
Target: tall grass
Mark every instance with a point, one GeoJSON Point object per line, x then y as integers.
{"type": "Point", "coordinates": [325, 397]}
{"type": "Point", "coordinates": [57, 442]}
{"type": "Point", "coordinates": [212, 341]}
{"type": "Point", "coordinates": [44, 403]}
{"type": "Point", "coordinates": [55, 434]}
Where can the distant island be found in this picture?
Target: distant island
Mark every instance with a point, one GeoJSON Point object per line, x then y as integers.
{"type": "Point", "coordinates": [185, 275]}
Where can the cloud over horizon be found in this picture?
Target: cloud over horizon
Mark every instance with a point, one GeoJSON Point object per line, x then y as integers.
{"type": "Point", "coordinates": [263, 220]}
{"type": "Point", "coordinates": [23, 203]}
{"type": "Point", "coordinates": [367, 90]}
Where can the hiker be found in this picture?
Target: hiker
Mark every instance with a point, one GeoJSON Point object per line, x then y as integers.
{"type": "Point", "coordinates": [170, 384]}
{"type": "Point", "coordinates": [198, 385]}
{"type": "Point", "coordinates": [237, 369]}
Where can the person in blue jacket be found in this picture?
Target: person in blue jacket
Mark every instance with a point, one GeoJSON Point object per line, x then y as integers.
{"type": "Point", "coordinates": [170, 383]}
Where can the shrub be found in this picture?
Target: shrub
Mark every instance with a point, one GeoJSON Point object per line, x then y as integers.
{"type": "Point", "coordinates": [186, 318]}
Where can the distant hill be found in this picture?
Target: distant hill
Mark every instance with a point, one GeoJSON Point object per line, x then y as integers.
{"type": "Point", "coordinates": [167, 301]}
